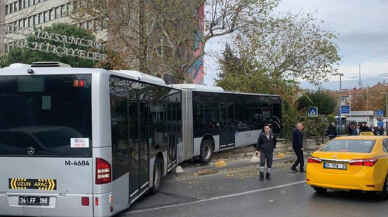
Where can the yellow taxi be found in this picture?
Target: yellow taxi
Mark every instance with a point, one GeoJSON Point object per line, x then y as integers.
{"type": "Point", "coordinates": [367, 134]}
{"type": "Point", "coordinates": [350, 163]}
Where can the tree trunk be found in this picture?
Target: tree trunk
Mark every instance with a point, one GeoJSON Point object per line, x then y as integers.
{"type": "Point", "coordinates": [142, 38]}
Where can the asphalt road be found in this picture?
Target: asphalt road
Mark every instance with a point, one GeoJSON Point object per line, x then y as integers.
{"type": "Point", "coordinates": [237, 192]}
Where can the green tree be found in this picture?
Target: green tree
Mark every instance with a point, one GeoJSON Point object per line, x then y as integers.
{"type": "Point", "coordinates": [238, 74]}
{"type": "Point", "coordinates": [325, 102]}
{"type": "Point", "coordinates": [316, 128]}
{"type": "Point", "coordinates": [27, 56]}
{"type": "Point", "coordinates": [291, 47]}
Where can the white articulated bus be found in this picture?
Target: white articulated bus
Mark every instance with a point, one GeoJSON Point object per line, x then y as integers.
{"type": "Point", "coordinates": [215, 120]}
{"type": "Point", "coordinates": [83, 142]}
{"type": "Point", "coordinates": [90, 142]}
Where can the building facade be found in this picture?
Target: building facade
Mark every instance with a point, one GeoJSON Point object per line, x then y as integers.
{"type": "Point", "coordinates": [2, 27]}
{"type": "Point", "coordinates": [21, 17]}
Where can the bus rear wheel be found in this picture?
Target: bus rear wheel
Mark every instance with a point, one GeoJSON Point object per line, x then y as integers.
{"type": "Point", "coordinates": [206, 150]}
{"type": "Point", "coordinates": [157, 175]}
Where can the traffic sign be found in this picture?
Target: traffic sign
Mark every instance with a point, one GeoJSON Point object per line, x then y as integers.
{"type": "Point", "coordinates": [345, 109]}
{"type": "Point", "coordinates": [380, 113]}
{"type": "Point", "coordinates": [313, 112]}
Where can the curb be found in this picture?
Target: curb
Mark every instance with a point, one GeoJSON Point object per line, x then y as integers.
{"type": "Point", "coordinates": [222, 164]}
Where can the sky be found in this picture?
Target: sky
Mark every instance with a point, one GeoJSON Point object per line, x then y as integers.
{"type": "Point", "coordinates": [362, 29]}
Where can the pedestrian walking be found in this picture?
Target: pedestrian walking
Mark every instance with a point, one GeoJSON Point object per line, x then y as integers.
{"type": "Point", "coordinates": [297, 145]}
{"type": "Point", "coordinates": [266, 145]}
{"type": "Point", "coordinates": [332, 131]}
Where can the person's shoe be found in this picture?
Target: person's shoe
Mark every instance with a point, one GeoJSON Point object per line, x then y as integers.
{"type": "Point", "coordinates": [293, 169]}
{"type": "Point", "coordinates": [302, 170]}
{"type": "Point", "coordinates": [268, 176]}
{"type": "Point", "coordinates": [261, 176]}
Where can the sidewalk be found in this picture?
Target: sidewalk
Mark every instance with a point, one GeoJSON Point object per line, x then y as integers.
{"type": "Point", "coordinates": [236, 158]}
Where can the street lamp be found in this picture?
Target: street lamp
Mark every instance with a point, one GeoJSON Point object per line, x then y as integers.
{"type": "Point", "coordinates": [340, 77]}
{"type": "Point", "coordinates": [339, 124]}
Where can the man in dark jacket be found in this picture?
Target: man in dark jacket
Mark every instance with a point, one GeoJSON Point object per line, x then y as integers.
{"type": "Point", "coordinates": [297, 145]}
{"type": "Point", "coordinates": [265, 145]}
{"type": "Point", "coordinates": [332, 131]}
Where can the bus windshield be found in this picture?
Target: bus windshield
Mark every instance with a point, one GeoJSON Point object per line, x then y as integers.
{"type": "Point", "coordinates": [45, 115]}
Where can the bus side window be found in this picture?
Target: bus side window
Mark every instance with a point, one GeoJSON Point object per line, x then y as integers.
{"type": "Point", "coordinates": [119, 127]}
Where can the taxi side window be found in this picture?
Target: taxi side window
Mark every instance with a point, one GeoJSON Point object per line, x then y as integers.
{"type": "Point", "coordinates": [385, 145]}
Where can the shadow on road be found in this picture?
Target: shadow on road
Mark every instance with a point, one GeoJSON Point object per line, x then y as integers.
{"type": "Point", "coordinates": [350, 196]}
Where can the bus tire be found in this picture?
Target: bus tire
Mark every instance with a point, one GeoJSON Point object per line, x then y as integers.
{"type": "Point", "coordinates": [157, 175]}
{"type": "Point", "coordinates": [206, 150]}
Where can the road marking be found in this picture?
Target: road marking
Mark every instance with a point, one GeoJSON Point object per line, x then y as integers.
{"type": "Point", "coordinates": [217, 198]}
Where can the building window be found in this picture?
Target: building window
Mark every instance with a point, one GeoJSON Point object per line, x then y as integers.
{"type": "Point", "coordinates": [57, 13]}
{"type": "Point", "coordinates": [45, 17]}
{"type": "Point", "coordinates": [39, 17]}
{"type": "Point", "coordinates": [24, 3]}
{"type": "Point", "coordinates": [6, 10]}
{"type": "Point", "coordinates": [62, 10]}
{"type": "Point", "coordinates": [68, 9]}
{"type": "Point", "coordinates": [51, 14]}
{"type": "Point", "coordinates": [34, 20]}
{"type": "Point", "coordinates": [10, 8]}
{"type": "Point", "coordinates": [20, 5]}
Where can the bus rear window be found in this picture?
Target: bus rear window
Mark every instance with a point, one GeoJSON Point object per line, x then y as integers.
{"type": "Point", "coordinates": [42, 115]}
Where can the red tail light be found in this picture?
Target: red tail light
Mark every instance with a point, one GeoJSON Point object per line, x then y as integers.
{"type": "Point", "coordinates": [103, 171]}
{"type": "Point", "coordinates": [364, 162]}
{"type": "Point", "coordinates": [314, 160]}
{"type": "Point", "coordinates": [85, 201]}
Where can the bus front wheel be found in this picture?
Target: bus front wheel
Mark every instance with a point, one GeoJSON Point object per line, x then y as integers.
{"type": "Point", "coordinates": [206, 150]}
{"type": "Point", "coordinates": [157, 175]}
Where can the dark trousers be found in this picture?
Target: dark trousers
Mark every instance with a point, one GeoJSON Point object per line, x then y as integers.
{"type": "Point", "coordinates": [266, 157]}
{"type": "Point", "coordinates": [300, 159]}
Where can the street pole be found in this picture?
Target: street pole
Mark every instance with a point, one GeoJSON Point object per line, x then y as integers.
{"type": "Point", "coordinates": [339, 121]}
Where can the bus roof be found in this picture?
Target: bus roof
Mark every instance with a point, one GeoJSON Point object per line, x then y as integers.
{"type": "Point", "coordinates": [198, 87]}
{"type": "Point", "coordinates": [215, 89]}
{"type": "Point", "coordinates": [22, 69]}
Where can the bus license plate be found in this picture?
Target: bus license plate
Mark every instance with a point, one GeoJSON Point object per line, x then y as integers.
{"type": "Point", "coordinates": [34, 201]}
{"type": "Point", "coordinates": [339, 166]}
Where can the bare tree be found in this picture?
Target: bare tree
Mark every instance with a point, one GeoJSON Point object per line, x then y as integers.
{"type": "Point", "coordinates": [160, 36]}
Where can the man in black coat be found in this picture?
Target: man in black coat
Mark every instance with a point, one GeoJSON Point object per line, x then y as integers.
{"type": "Point", "coordinates": [265, 145]}
{"type": "Point", "coordinates": [297, 145]}
{"type": "Point", "coordinates": [332, 131]}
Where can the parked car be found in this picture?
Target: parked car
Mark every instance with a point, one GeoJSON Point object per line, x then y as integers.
{"type": "Point", "coordinates": [350, 163]}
